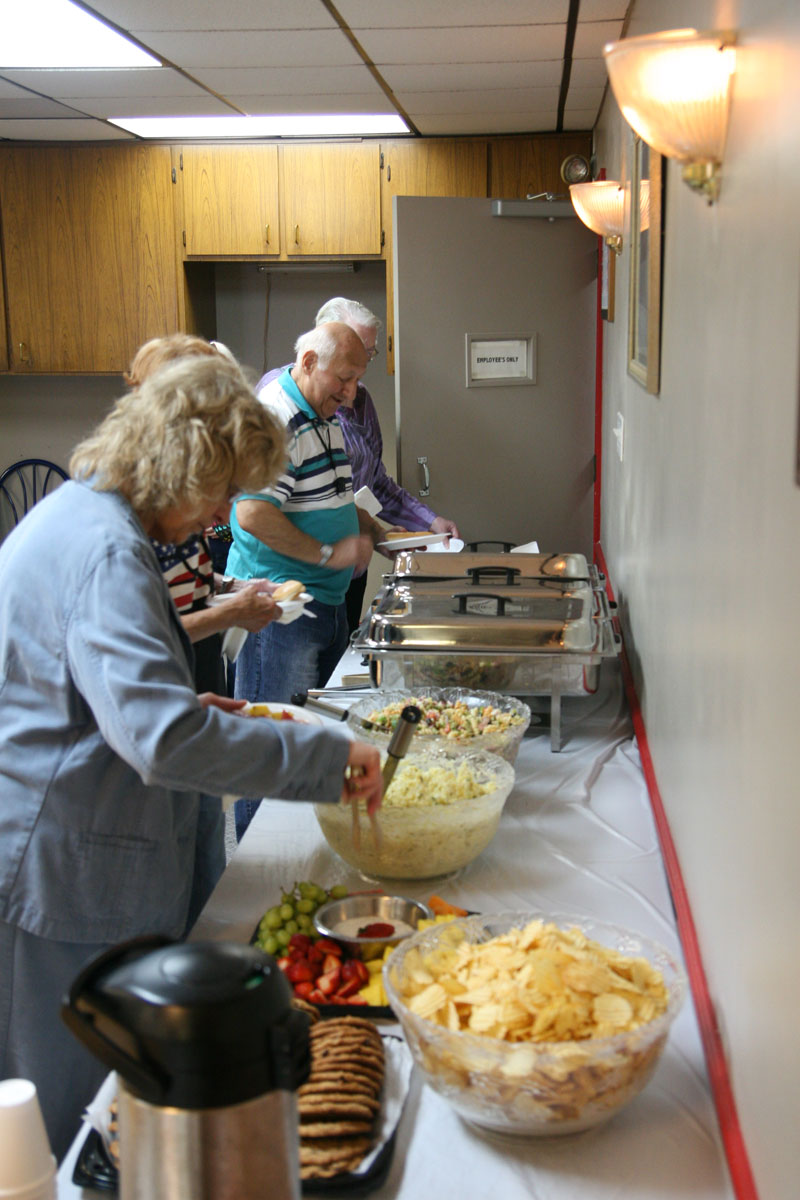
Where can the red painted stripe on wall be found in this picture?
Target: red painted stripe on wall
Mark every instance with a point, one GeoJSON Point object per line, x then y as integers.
{"type": "Point", "coordinates": [721, 1090]}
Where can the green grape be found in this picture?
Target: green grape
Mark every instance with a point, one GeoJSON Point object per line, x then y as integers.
{"type": "Point", "coordinates": [338, 892]}
{"type": "Point", "coordinates": [305, 923]}
{"type": "Point", "coordinates": [287, 897]}
{"type": "Point", "coordinates": [305, 906]}
{"type": "Point", "coordinates": [270, 945]}
{"type": "Point", "coordinates": [282, 937]}
{"type": "Point", "coordinates": [321, 894]}
{"type": "Point", "coordinates": [291, 927]}
{"type": "Point", "coordinates": [307, 890]}
{"type": "Point", "coordinates": [287, 912]}
{"type": "Point", "coordinates": [273, 919]}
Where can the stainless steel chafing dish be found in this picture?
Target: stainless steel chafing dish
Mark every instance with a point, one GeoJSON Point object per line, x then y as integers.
{"type": "Point", "coordinates": [528, 637]}
{"type": "Point", "coordinates": [492, 567]}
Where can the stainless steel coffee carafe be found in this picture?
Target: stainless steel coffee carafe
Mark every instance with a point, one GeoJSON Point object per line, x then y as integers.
{"type": "Point", "coordinates": [209, 1053]}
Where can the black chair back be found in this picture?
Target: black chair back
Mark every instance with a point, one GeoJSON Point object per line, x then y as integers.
{"type": "Point", "coordinates": [22, 485]}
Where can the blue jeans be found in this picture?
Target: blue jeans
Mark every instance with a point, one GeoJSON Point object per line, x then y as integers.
{"type": "Point", "coordinates": [280, 660]}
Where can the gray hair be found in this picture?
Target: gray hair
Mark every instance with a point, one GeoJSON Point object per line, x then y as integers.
{"type": "Point", "coordinates": [322, 340]}
{"type": "Point", "coordinates": [188, 430]}
{"type": "Point", "coordinates": [350, 312]}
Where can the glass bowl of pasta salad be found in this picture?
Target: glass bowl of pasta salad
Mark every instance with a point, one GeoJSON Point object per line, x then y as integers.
{"type": "Point", "coordinates": [455, 718]}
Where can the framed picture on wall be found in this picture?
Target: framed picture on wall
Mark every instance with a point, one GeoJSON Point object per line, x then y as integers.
{"type": "Point", "coordinates": [644, 311]}
{"type": "Point", "coordinates": [608, 275]}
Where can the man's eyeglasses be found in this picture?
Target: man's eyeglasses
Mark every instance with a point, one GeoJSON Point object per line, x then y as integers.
{"type": "Point", "coordinates": [373, 353]}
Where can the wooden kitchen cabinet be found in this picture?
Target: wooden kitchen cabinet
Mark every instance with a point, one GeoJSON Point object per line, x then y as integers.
{"type": "Point", "coordinates": [90, 263]}
{"type": "Point", "coordinates": [425, 167]}
{"type": "Point", "coordinates": [331, 199]}
{"type": "Point", "coordinates": [230, 198]}
{"type": "Point", "coordinates": [3, 337]}
{"type": "Point", "coordinates": [523, 166]}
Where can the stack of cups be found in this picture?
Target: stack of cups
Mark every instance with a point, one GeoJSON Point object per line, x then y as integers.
{"type": "Point", "coordinates": [27, 1167]}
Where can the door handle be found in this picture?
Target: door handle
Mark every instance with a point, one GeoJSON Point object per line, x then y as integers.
{"type": "Point", "coordinates": [425, 490]}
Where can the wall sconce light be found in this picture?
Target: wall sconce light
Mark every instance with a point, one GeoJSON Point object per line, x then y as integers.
{"type": "Point", "coordinates": [673, 89]}
{"type": "Point", "coordinates": [601, 207]}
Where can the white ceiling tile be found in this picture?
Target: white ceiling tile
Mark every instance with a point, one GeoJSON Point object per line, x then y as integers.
{"type": "Point", "coordinates": [483, 123]}
{"type": "Point", "coordinates": [510, 43]}
{"type": "Point", "coordinates": [104, 107]}
{"type": "Point", "coordinates": [141, 16]}
{"type": "Point", "coordinates": [584, 97]}
{"type": "Point", "coordinates": [580, 119]}
{"type": "Point", "coordinates": [588, 72]}
{"type": "Point", "coordinates": [591, 37]}
{"type": "Point", "coordinates": [335, 102]}
{"type": "Point", "coordinates": [78, 130]}
{"type": "Point", "coordinates": [538, 100]}
{"type": "Point", "coordinates": [256, 48]}
{"type": "Point", "coordinates": [417, 14]}
{"type": "Point", "coordinates": [475, 76]}
{"type": "Point", "coordinates": [602, 10]}
{"type": "Point", "coordinates": [286, 81]}
{"type": "Point", "coordinates": [24, 106]}
{"type": "Point", "coordinates": [145, 81]}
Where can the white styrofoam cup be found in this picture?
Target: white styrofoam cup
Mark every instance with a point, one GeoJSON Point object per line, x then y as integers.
{"type": "Point", "coordinates": [27, 1165]}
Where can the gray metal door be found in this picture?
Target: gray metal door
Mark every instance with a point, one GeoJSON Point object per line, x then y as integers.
{"type": "Point", "coordinates": [510, 462]}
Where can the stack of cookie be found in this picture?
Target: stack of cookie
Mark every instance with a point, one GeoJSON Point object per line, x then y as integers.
{"type": "Point", "coordinates": [340, 1101]}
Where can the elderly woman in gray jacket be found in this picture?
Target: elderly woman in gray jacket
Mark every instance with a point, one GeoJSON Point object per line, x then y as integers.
{"type": "Point", "coordinates": [106, 744]}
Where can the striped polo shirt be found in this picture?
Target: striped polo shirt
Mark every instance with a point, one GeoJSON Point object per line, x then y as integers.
{"type": "Point", "coordinates": [306, 493]}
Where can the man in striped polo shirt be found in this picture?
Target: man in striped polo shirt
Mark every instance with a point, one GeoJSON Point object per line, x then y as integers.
{"type": "Point", "coordinates": [306, 525]}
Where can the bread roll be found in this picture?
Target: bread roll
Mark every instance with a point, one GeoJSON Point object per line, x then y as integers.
{"type": "Point", "coordinates": [289, 590]}
{"type": "Point", "coordinates": [398, 533]}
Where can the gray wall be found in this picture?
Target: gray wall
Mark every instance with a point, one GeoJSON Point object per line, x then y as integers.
{"type": "Point", "coordinates": [45, 416]}
{"type": "Point", "coordinates": [700, 531]}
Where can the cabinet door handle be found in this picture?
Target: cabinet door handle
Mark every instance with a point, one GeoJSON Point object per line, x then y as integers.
{"type": "Point", "coordinates": [23, 352]}
{"type": "Point", "coordinates": [266, 234]}
{"type": "Point", "coordinates": [426, 489]}
{"type": "Point", "coordinates": [297, 235]}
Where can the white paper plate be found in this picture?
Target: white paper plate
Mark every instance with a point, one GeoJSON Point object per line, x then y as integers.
{"type": "Point", "coordinates": [301, 715]}
{"type": "Point", "coordinates": [290, 609]}
{"type": "Point", "coordinates": [411, 543]}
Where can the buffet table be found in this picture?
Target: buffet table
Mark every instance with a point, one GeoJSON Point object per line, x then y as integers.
{"type": "Point", "coordinates": [576, 835]}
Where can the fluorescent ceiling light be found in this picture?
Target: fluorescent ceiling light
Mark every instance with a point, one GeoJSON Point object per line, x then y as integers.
{"type": "Point", "coordinates": [46, 34]}
{"type": "Point", "coordinates": [276, 125]}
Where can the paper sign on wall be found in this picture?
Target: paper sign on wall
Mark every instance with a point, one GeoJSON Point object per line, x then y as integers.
{"type": "Point", "coordinates": [496, 360]}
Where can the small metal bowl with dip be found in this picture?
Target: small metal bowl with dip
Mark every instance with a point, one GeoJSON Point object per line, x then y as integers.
{"type": "Point", "coordinates": [348, 921]}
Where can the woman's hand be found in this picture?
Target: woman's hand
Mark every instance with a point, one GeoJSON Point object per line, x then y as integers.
{"type": "Point", "coordinates": [226, 703]}
{"type": "Point", "coordinates": [251, 606]}
{"type": "Point", "coordinates": [364, 778]}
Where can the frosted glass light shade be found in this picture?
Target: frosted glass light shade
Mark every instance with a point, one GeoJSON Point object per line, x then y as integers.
{"type": "Point", "coordinates": [600, 205]}
{"type": "Point", "coordinates": [673, 89]}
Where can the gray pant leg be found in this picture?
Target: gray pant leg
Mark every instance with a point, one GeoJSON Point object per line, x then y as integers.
{"type": "Point", "coordinates": [35, 1044]}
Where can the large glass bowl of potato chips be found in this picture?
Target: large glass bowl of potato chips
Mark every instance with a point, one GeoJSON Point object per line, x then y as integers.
{"type": "Point", "coordinates": [534, 1025]}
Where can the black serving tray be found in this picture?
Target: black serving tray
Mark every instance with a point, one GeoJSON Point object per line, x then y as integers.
{"type": "Point", "coordinates": [94, 1169]}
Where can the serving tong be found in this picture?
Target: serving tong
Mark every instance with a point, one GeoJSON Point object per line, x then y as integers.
{"type": "Point", "coordinates": [407, 722]}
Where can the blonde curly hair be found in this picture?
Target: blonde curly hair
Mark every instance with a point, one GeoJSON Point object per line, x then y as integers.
{"type": "Point", "coordinates": [188, 431]}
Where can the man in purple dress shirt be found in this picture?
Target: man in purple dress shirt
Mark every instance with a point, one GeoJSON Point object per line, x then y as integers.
{"type": "Point", "coordinates": [364, 444]}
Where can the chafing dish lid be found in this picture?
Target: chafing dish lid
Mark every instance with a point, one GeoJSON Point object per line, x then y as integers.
{"type": "Point", "coordinates": [491, 567]}
{"type": "Point", "coordinates": [545, 616]}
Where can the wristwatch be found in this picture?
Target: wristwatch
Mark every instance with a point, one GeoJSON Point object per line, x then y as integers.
{"type": "Point", "coordinates": [325, 551]}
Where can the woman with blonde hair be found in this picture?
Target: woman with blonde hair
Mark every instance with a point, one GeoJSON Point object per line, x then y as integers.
{"type": "Point", "coordinates": [106, 743]}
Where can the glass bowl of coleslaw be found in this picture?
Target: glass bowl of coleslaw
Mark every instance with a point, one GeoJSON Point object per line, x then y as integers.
{"type": "Point", "coordinates": [534, 1024]}
{"type": "Point", "coordinates": [457, 718]}
{"type": "Point", "coordinates": [438, 814]}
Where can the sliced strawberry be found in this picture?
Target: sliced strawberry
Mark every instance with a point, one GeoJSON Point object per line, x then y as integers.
{"type": "Point", "coordinates": [328, 946]}
{"type": "Point", "coordinates": [315, 955]}
{"type": "Point", "coordinates": [315, 996]}
{"type": "Point", "coordinates": [331, 963]}
{"type": "Point", "coordinates": [349, 987]}
{"type": "Point", "coordinates": [300, 941]}
{"type": "Point", "coordinates": [378, 929]}
{"type": "Point", "coordinates": [300, 971]}
{"type": "Point", "coordinates": [357, 999]}
{"type": "Point", "coordinates": [350, 969]}
{"type": "Point", "coordinates": [304, 990]}
{"type": "Point", "coordinates": [328, 982]}
{"type": "Point", "coordinates": [363, 973]}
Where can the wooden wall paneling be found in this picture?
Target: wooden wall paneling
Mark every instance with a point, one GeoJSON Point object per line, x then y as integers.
{"type": "Point", "coordinates": [521, 166]}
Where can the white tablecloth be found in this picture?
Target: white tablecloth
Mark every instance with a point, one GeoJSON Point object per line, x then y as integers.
{"type": "Point", "coordinates": [576, 834]}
